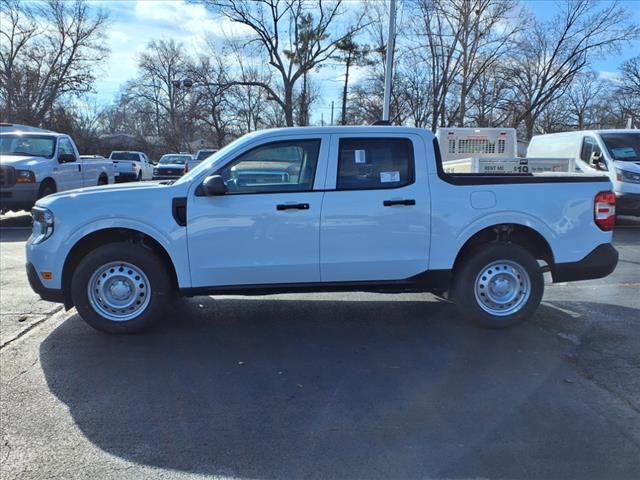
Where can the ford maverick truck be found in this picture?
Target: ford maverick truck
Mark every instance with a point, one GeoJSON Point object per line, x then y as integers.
{"type": "Point", "coordinates": [321, 209]}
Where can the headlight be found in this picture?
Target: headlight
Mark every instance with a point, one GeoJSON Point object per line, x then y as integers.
{"type": "Point", "coordinates": [626, 176]}
{"type": "Point", "coordinates": [42, 224]}
{"type": "Point", "coordinates": [25, 176]}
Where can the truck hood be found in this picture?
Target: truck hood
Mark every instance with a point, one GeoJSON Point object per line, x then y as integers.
{"type": "Point", "coordinates": [86, 194]}
{"type": "Point", "coordinates": [628, 166]}
{"type": "Point", "coordinates": [20, 161]}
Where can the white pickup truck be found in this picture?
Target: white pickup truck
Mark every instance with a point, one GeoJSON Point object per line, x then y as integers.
{"type": "Point", "coordinates": [131, 166]}
{"type": "Point", "coordinates": [34, 164]}
{"type": "Point", "coordinates": [321, 209]}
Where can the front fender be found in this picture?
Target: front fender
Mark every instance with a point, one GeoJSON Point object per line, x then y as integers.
{"type": "Point", "coordinates": [174, 243]}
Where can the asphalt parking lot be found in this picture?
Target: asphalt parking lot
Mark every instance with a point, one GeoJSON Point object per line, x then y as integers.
{"type": "Point", "coordinates": [324, 386]}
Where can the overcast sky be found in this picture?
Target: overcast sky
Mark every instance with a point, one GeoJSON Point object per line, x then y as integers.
{"type": "Point", "coordinates": [136, 22]}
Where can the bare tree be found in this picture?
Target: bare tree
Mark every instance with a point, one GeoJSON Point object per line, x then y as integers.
{"type": "Point", "coordinates": [458, 41]}
{"type": "Point", "coordinates": [295, 36]}
{"type": "Point", "coordinates": [630, 77]}
{"type": "Point", "coordinates": [160, 65]}
{"type": "Point", "coordinates": [49, 50]}
{"type": "Point", "coordinates": [551, 54]}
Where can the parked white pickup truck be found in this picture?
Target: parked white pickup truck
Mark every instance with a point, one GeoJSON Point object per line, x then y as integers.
{"type": "Point", "coordinates": [131, 166]}
{"type": "Point", "coordinates": [321, 209]}
{"type": "Point", "coordinates": [34, 164]}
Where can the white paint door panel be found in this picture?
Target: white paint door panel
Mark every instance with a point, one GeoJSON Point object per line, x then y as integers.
{"type": "Point", "coordinates": [371, 231]}
{"type": "Point", "coordinates": [246, 240]}
{"type": "Point", "coordinates": [266, 229]}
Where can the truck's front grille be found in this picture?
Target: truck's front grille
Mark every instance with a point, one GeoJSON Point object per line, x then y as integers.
{"type": "Point", "coordinates": [7, 177]}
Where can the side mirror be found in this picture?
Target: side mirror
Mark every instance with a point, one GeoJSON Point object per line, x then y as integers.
{"type": "Point", "coordinates": [66, 158]}
{"type": "Point", "coordinates": [213, 186]}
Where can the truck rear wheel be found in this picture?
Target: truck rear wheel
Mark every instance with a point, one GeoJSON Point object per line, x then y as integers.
{"type": "Point", "coordinates": [121, 288]}
{"type": "Point", "coordinates": [498, 285]}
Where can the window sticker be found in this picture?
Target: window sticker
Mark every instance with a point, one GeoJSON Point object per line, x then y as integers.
{"type": "Point", "coordinates": [624, 152]}
{"type": "Point", "coordinates": [389, 177]}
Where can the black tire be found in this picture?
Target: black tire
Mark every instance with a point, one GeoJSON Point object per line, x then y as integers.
{"type": "Point", "coordinates": [477, 261]}
{"type": "Point", "coordinates": [145, 260]}
{"type": "Point", "coordinates": [103, 180]}
{"type": "Point", "coordinates": [139, 179]}
{"type": "Point", "coordinates": [47, 188]}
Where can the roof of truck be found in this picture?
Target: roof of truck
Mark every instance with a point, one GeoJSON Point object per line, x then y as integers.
{"type": "Point", "coordinates": [368, 129]}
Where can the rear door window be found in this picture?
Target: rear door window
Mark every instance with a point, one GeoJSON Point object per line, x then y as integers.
{"type": "Point", "coordinates": [375, 163]}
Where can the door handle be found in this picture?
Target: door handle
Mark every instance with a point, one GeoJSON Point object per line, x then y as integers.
{"type": "Point", "coordinates": [391, 203]}
{"type": "Point", "coordinates": [79, 167]}
{"type": "Point", "coordinates": [293, 206]}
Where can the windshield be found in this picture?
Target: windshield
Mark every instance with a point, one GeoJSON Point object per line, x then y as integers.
{"type": "Point", "coordinates": [124, 156]}
{"type": "Point", "coordinates": [202, 154]}
{"type": "Point", "coordinates": [194, 172]}
{"type": "Point", "coordinates": [624, 147]}
{"type": "Point", "coordinates": [174, 159]}
{"type": "Point", "coordinates": [31, 145]}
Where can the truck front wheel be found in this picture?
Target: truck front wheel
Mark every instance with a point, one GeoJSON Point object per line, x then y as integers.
{"type": "Point", "coordinates": [121, 288]}
{"type": "Point", "coordinates": [498, 285]}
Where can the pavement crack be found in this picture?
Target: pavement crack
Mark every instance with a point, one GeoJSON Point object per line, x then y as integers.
{"type": "Point", "coordinates": [31, 327]}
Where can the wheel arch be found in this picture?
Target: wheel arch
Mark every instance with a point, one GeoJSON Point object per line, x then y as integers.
{"type": "Point", "coordinates": [105, 236]}
{"type": "Point", "coordinates": [523, 235]}
{"type": "Point", "coordinates": [48, 181]}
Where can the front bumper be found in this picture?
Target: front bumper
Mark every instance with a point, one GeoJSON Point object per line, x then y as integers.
{"type": "Point", "coordinates": [48, 294]}
{"type": "Point", "coordinates": [19, 197]}
{"type": "Point", "coordinates": [628, 204]}
{"type": "Point", "coordinates": [599, 263]}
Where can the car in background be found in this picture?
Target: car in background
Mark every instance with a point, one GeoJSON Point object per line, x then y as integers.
{"type": "Point", "coordinates": [172, 166]}
{"type": "Point", "coordinates": [131, 166]}
{"type": "Point", "coordinates": [200, 156]}
{"type": "Point", "coordinates": [108, 165]}
{"type": "Point", "coordinates": [37, 163]}
{"type": "Point", "coordinates": [614, 153]}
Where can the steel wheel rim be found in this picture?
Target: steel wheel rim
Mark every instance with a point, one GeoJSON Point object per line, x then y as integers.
{"type": "Point", "coordinates": [119, 291]}
{"type": "Point", "coordinates": [502, 288]}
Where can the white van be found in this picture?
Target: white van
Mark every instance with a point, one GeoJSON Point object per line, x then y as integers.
{"type": "Point", "coordinates": [615, 153]}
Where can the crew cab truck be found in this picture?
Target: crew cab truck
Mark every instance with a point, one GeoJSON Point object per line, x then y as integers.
{"type": "Point", "coordinates": [131, 166]}
{"type": "Point", "coordinates": [614, 153]}
{"type": "Point", "coordinates": [37, 163]}
{"type": "Point", "coordinates": [321, 209]}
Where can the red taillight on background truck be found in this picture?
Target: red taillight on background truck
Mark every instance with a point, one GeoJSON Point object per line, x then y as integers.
{"type": "Point", "coordinates": [604, 210]}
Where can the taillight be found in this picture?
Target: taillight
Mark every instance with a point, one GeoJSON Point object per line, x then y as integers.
{"type": "Point", "coordinates": [186, 167]}
{"type": "Point", "coordinates": [134, 166]}
{"type": "Point", "coordinates": [604, 210]}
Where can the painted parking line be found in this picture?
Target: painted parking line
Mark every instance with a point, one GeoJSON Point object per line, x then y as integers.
{"type": "Point", "coordinates": [571, 313]}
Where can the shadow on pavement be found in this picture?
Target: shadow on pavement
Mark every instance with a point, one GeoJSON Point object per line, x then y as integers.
{"type": "Point", "coordinates": [333, 389]}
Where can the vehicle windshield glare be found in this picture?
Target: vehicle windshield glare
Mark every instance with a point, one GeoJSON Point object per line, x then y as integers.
{"type": "Point", "coordinates": [30, 145]}
{"type": "Point", "coordinates": [174, 159]}
{"type": "Point", "coordinates": [124, 156]}
{"type": "Point", "coordinates": [623, 147]}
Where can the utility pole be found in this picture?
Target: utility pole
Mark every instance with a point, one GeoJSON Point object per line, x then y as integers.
{"type": "Point", "coordinates": [391, 40]}
{"type": "Point", "coordinates": [331, 112]}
